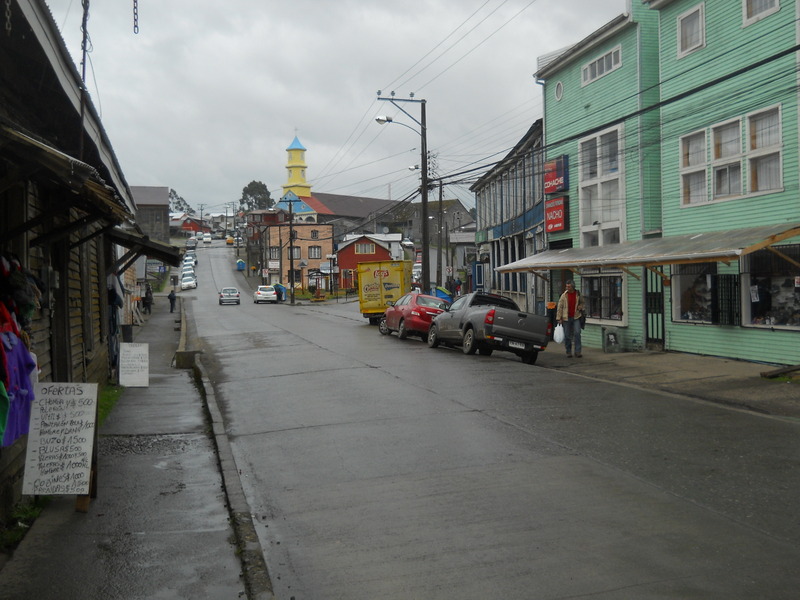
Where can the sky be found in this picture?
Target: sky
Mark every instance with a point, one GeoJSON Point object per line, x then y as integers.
{"type": "Point", "coordinates": [207, 96]}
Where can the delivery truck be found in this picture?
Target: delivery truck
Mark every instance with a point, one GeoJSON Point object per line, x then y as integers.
{"type": "Point", "coordinates": [381, 282]}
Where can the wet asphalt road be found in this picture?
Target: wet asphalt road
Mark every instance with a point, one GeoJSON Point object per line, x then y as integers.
{"type": "Point", "coordinates": [379, 468]}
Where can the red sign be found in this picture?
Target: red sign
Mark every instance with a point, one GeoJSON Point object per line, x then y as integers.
{"type": "Point", "coordinates": [556, 175]}
{"type": "Point", "coordinates": [556, 214]}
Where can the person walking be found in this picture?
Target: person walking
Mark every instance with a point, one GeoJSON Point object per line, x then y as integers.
{"type": "Point", "coordinates": [147, 302]}
{"type": "Point", "coordinates": [568, 313]}
{"type": "Point", "coordinates": [171, 297]}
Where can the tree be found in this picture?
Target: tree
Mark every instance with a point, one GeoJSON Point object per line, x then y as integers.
{"type": "Point", "coordinates": [178, 204]}
{"type": "Point", "coordinates": [255, 196]}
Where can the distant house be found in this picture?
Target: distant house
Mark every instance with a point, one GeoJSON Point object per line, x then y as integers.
{"type": "Point", "coordinates": [363, 248]}
{"type": "Point", "coordinates": [152, 211]}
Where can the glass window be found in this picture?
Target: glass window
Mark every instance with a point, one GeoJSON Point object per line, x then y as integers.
{"type": "Point", "coordinates": [315, 252]}
{"type": "Point", "coordinates": [755, 10]}
{"type": "Point", "coordinates": [691, 31]}
{"type": "Point", "coordinates": [765, 143]}
{"type": "Point", "coordinates": [274, 252]}
{"type": "Point", "coordinates": [772, 287]}
{"type": "Point", "coordinates": [691, 292]}
{"type": "Point", "coordinates": [728, 180]}
{"type": "Point", "coordinates": [365, 248]}
{"type": "Point", "coordinates": [727, 140]}
{"type": "Point", "coordinates": [601, 196]}
{"type": "Point", "coordinates": [602, 295]}
{"type": "Point", "coordinates": [602, 66]}
{"type": "Point", "coordinates": [295, 251]}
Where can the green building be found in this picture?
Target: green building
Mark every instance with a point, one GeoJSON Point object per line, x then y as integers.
{"type": "Point", "coordinates": [675, 127]}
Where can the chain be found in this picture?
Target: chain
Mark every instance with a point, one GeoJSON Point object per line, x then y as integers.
{"type": "Point", "coordinates": [8, 17]}
{"type": "Point", "coordinates": [135, 16]}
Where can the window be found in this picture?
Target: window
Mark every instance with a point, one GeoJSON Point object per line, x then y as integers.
{"type": "Point", "coordinates": [315, 252]}
{"type": "Point", "coordinates": [755, 10]}
{"type": "Point", "coordinates": [295, 252]}
{"type": "Point", "coordinates": [765, 146]}
{"type": "Point", "coordinates": [771, 285]}
{"type": "Point", "coordinates": [602, 295]}
{"type": "Point", "coordinates": [559, 90]}
{"type": "Point", "coordinates": [602, 66]}
{"type": "Point", "coordinates": [601, 189]}
{"type": "Point", "coordinates": [736, 158]}
{"type": "Point", "coordinates": [691, 31]}
{"type": "Point", "coordinates": [693, 293]}
{"type": "Point", "coordinates": [365, 248]}
{"type": "Point", "coordinates": [693, 168]}
{"type": "Point", "coordinates": [727, 145]}
{"type": "Point", "coordinates": [274, 252]}
{"type": "Point", "coordinates": [314, 234]}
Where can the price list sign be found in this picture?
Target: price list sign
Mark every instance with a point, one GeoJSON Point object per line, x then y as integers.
{"type": "Point", "coordinates": [61, 439]}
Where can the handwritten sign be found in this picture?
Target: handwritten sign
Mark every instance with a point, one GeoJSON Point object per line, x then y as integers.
{"type": "Point", "coordinates": [61, 439]}
{"type": "Point", "coordinates": [134, 365]}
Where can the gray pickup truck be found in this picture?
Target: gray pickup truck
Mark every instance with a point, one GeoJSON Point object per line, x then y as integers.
{"type": "Point", "coordinates": [482, 322]}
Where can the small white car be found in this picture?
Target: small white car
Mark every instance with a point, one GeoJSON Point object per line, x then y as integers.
{"type": "Point", "coordinates": [265, 293]}
{"type": "Point", "coordinates": [188, 281]}
{"type": "Point", "coordinates": [229, 295]}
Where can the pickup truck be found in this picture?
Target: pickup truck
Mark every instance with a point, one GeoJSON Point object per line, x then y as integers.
{"type": "Point", "coordinates": [485, 322]}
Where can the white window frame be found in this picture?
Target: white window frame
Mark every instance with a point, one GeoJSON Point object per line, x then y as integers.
{"type": "Point", "coordinates": [700, 8]}
{"type": "Point", "coordinates": [604, 275]}
{"type": "Point", "coordinates": [757, 16]}
{"type": "Point", "coordinates": [689, 169]}
{"type": "Point", "coordinates": [726, 162]}
{"type": "Point", "coordinates": [613, 56]}
{"type": "Point", "coordinates": [597, 224]}
{"type": "Point", "coordinates": [315, 252]}
{"type": "Point", "coordinates": [365, 248]}
{"type": "Point", "coordinates": [754, 154]}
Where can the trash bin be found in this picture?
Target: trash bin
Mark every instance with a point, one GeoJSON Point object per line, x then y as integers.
{"type": "Point", "coordinates": [611, 339]}
{"type": "Point", "coordinates": [551, 316]}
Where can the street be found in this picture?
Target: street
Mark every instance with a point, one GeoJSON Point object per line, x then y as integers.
{"type": "Point", "coordinates": [380, 468]}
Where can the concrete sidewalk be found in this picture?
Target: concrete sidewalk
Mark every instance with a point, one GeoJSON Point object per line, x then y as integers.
{"type": "Point", "coordinates": [160, 526]}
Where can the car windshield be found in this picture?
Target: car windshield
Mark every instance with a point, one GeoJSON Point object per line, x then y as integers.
{"type": "Point", "coordinates": [230, 291]}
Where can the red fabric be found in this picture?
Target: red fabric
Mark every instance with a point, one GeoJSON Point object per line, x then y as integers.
{"type": "Point", "coordinates": [572, 300]}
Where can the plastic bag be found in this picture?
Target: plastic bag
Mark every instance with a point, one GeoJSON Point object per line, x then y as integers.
{"type": "Point", "coordinates": [558, 334]}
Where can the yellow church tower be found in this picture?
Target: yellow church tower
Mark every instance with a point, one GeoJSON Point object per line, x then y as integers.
{"type": "Point", "coordinates": [296, 169]}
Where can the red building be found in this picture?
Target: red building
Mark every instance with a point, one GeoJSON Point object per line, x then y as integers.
{"type": "Point", "coordinates": [352, 252]}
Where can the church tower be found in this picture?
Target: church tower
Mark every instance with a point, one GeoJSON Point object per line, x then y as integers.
{"type": "Point", "coordinates": [296, 170]}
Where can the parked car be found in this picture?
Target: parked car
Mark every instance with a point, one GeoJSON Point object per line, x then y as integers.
{"type": "Point", "coordinates": [207, 238]}
{"type": "Point", "coordinates": [188, 281]}
{"type": "Point", "coordinates": [486, 322]}
{"type": "Point", "coordinates": [411, 315]}
{"type": "Point", "coordinates": [238, 241]}
{"type": "Point", "coordinates": [265, 293]}
{"type": "Point", "coordinates": [229, 240]}
{"type": "Point", "coordinates": [229, 295]}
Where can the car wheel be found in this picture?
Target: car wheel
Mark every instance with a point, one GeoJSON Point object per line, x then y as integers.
{"type": "Point", "coordinates": [383, 327]}
{"type": "Point", "coordinates": [530, 357]}
{"type": "Point", "coordinates": [238, 302]}
{"type": "Point", "coordinates": [485, 351]}
{"type": "Point", "coordinates": [402, 332]}
{"type": "Point", "coordinates": [468, 344]}
{"type": "Point", "coordinates": [220, 302]}
{"type": "Point", "coordinates": [433, 337]}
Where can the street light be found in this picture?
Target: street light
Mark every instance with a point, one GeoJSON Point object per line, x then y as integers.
{"type": "Point", "coordinates": [423, 133]}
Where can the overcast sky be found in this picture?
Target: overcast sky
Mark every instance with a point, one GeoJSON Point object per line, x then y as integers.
{"type": "Point", "coordinates": [207, 96]}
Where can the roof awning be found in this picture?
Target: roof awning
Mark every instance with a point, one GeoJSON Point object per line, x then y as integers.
{"type": "Point", "coordinates": [80, 177]}
{"type": "Point", "coordinates": [713, 246]}
{"type": "Point", "coordinates": [139, 245]}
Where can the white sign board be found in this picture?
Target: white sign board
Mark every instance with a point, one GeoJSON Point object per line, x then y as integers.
{"type": "Point", "coordinates": [134, 365]}
{"type": "Point", "coordinates": [61, 439]}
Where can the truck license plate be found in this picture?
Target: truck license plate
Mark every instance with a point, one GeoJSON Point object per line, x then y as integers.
{"type": "Point", "coordinates": [518, 345]}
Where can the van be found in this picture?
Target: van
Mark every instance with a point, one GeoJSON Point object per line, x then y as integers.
{"type": "Point", "coordinates": [207, 238]}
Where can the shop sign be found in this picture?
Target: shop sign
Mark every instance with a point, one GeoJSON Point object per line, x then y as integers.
{"type": "Point", "coordinates": [556, 175]}
{"type": "Point", "coordinates": [556, 214]}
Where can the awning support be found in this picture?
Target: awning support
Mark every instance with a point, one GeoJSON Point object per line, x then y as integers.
{"type": "Point", "coordinates": [631, 273]}
{"type": "Point", "coordinates": [783, 256]}
{"type": "Point", "coordinates": [65, 231]}
{"type": "Point", "coordinates": [664, 278]}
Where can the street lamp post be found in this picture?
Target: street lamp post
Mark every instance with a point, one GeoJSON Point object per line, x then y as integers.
{"type": "Point", "coordinates": [290, 198]}
{"type": "Point", "coordinates": [423, 133]}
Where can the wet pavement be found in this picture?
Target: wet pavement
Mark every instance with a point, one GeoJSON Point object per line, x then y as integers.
{"type": "Point", "coordinates": [160, 526]}
{"type": "Point", "coordinates": [170, 519]}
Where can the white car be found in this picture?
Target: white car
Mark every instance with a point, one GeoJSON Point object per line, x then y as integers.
{"type": "Point", "coordinates": [207, 238]}
{"type": "Point", "coordinates": [229, 295]}
{"type": "Point", "coordinates": [265, 293]}
{"type": "Point", "coordinates": [188, 281]}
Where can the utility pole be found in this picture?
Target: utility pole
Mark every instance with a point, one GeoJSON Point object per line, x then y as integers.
{"type": "Point", "coordinates": [202, 206]}
{"type": "Point", "coordinates": [439, 238]}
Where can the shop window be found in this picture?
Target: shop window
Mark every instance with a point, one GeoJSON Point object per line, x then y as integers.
{"type": "Point", "coordinates": [771, 283]}
{"type": "Point", "coordinates": [691, 292]}
{"type": "Point", "coordinates": [603, 296]}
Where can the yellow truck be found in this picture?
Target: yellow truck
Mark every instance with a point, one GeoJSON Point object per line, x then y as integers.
{"type": "Point", "coordinates": [381, 282]}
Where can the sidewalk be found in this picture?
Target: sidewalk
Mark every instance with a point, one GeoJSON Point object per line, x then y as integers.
{"type": "Point", "coordinates": [160, 526]}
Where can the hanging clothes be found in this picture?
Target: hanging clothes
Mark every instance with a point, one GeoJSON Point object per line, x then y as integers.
{"type": "Point", "coordinates": [19, 366]}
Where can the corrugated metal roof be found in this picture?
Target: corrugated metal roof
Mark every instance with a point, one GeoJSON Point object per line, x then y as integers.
{"type": "Point", "coordinates": [709, 246]}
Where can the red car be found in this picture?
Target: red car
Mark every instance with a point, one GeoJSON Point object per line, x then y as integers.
{"type": "Point", "coordinates": [412, 314]}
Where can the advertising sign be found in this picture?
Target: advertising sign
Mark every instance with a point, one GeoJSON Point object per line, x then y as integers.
{"type": "Point", "coordinates": [556, 214]}
{"type": "Point", "coordinates": [556, 175]}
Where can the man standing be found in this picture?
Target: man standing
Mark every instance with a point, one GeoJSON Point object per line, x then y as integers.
{"type": "Point", "coordinates": [171, 297]}
{"type": "Point", "coordinates": [568, 313]}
